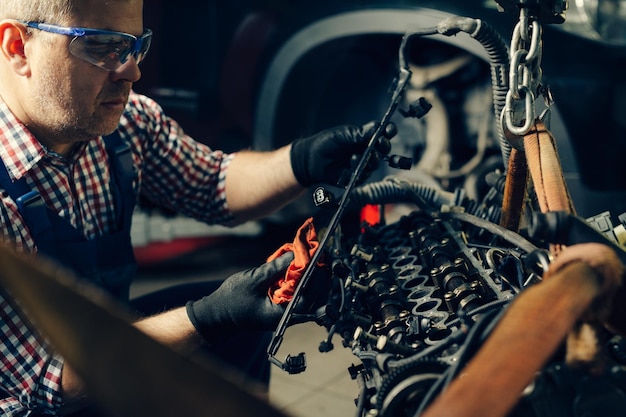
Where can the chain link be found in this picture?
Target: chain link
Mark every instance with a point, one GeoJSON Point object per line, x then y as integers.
{"type": "Point", "coordinates": [524, 75]}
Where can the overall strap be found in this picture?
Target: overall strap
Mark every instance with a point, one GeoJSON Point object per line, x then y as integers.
{"type": "Point", "coordinates": [108, 260]}
{"type": "Point", "coordinates": [30, 205]}
{"type": "Point", "coordinates": [121, 163]}
{"type": "Point", "coordinates": [36, 214]}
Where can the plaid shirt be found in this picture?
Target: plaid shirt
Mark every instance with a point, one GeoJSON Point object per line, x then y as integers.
{"type": "Point", "coordinates": [173, 171]}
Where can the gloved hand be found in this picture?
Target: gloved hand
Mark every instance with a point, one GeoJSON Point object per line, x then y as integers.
{"type": "Point", "coordinates": [322, 158]}
{"type": "Point", "coordinates": [242, 302]}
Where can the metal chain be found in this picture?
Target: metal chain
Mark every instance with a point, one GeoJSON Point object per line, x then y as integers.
{"type": "Point", "coordinates": [524, 75]}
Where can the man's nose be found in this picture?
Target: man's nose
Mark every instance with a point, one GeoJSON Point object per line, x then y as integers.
{"type": "Point", "coordinates": [129, 71]}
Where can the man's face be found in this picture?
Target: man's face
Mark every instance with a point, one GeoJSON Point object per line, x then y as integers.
{"type": "Point", "coordinates": [72, 100]}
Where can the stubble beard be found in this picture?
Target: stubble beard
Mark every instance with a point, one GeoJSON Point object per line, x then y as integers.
{"type": "Point", "coordinates": [67, 121]}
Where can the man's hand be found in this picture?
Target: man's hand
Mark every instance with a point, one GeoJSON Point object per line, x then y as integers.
{"type": "Point", "coordinates": [322, 158]}
{"type": "Point", "coordinates": [242, 302]}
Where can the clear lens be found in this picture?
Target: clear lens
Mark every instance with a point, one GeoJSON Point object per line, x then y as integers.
{"type": "Point", "coordinates": [146, 40]}
{"type": "Point", "coordinates": [111, 50]}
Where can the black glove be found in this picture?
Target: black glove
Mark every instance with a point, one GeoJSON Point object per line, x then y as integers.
{"type": "Point", "coordinates": [242, 302]}
{"type": "Point", "coordinates": [322, 158]}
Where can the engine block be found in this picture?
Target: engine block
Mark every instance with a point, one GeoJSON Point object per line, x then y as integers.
{"type": "Point", "coordinates": [416, 298]}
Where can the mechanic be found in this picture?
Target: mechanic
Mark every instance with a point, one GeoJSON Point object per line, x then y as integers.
{"type": "Point", "coordinates": [76, 137]}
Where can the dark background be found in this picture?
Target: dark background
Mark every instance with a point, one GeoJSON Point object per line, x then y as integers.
{"type": "Point", "coordinates": [209, 57]}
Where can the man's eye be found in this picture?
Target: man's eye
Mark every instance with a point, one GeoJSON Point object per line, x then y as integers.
{"type": "Point", "coordinates": [105, 47]}
{"type": "Point", "coordinates": [98, 48]}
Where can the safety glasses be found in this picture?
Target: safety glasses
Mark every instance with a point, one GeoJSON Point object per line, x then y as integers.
{"type": "Point", "coordinates": [103, 48]}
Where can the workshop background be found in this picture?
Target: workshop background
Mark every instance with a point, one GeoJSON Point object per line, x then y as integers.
{"type": "Point", "coordinates": [257, 74]}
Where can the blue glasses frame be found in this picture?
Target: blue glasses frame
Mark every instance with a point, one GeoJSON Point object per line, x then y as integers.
{"type": "Point", "coordinates": [106, 49]}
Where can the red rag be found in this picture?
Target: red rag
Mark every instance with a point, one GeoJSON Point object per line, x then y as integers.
{"type": "Point", "coordinates": [303, 247]}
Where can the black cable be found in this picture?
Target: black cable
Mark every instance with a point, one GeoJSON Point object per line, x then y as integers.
{"type": "Point", "coordinates": [493, 228]}
{"type": "Point", "coordinates": [477, 333]}
{"type": "Point", "coordinates": [360, 404]}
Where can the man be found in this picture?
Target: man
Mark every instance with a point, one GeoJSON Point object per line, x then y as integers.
{"type": "Point", "coordinates": [78, 147]}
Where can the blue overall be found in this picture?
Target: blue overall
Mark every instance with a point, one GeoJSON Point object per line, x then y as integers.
{"type": "Point", "coordinates": [108, 261]}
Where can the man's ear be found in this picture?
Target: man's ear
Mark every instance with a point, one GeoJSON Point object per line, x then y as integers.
{"type": "Point", "coordinates": [12, 38]}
